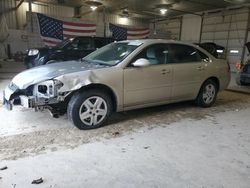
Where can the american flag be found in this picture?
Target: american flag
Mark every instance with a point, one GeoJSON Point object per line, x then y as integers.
{"type": "Point", "coordinates": [53, 31]}
{"type": "Point", "coordinates": [122, 33]}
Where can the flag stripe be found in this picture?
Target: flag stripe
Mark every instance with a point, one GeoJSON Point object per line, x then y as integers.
{"type": "Point", "coordinates": [76, 27]}
{"type": "Point", "coordinates": [79, 24]}
{"type": "Point", "coordinates": [137, 37]}
{"type": "Point", "coordinates": [78, 31]}
{"type": "Point", "coordinates": [138, 33]}
{"type": "Point", "coordinates": [50, 42]}
{"type": "Point", "coordinates": [51, 39]}
{"type": "Point", "coordinates": [73, 34]}
{"type": "Point", "coordinates": [137, 29]}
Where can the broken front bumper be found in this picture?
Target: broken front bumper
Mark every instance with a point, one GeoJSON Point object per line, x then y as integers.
{"type": "Point", "coordinates": [10, 99]}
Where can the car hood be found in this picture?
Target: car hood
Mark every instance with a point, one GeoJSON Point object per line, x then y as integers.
{"type": "Point", "coordinates": [50, 71]}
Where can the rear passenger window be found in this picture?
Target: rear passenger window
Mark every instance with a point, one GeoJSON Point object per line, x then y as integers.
{"type": "Point", "coordinates": [180, 53]}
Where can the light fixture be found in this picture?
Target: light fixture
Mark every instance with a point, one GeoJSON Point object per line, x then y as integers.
{"type": "Point", "coordinates": [123, 20]}
{"type": "Point", "coordinates": [93, 4]}
{"type": "Point", "coordinates": [163, 11]}
{"type": "Point", "coordinates": [93, 8]}
{"type": "Point", "coordinates": [234, 51]}
{"type": "Point", "coordinates": [219, 51]}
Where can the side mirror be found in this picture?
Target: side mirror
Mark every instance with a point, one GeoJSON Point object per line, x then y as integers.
{"type": "Point", "coordinates": [141, 63]}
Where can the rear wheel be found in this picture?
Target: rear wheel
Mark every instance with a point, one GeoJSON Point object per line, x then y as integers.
{"type": "Point", "coordinates": [207, 94]}
{"type": "Point", "coordinates": [89, 109]}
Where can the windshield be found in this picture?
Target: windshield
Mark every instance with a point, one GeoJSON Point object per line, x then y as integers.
{"type": "Point", "coordinates": [112, 54]}
{"type": "Point", "coordinates": [63, 43]}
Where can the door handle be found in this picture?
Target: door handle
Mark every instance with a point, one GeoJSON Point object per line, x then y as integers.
{"type": "Point", "coordinates": [200, 68]}
{"type": "Point", "coordinates": [164, 71]}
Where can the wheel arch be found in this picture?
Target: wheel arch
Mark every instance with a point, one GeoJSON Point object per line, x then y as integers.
{"type": "Point", "coordinates": [215, 79]}
{"type": "Point", "coordinates": [104, 88]}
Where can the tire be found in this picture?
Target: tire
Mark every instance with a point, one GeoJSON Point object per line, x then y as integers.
{"type": "Point", "coordinates": [207, 94]}
{"type": "Point", "coordinates": [94, 106]}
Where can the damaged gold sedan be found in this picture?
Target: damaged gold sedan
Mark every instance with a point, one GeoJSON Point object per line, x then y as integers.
{"type": "Point", "coordinates": [120, 76]}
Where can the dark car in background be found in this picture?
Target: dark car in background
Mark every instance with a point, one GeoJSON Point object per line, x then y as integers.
{"type": "Point", "coordinates": [243, 77]}
{"type": "Point", "coordinates": [70, 49]}
{"type": "Point", "coordinates": [214, 49]}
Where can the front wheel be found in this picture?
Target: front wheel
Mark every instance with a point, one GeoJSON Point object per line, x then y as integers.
{"type": "Point", "coordinates": [207, 94]}
{"type": "Point", "coordinates": [89, 109]}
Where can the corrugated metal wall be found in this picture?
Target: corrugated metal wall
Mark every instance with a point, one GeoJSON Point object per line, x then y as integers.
{"type": "Point", "coordinates": [228, 29]}
{"type": "Point", "coordinates": [10, 16]}
{"type": "Point", "coordinates": [191, 34]}
{"type": "Point", "coordinates": [51, 10]}
{"type": "Point", "coordinates": [167, 29]}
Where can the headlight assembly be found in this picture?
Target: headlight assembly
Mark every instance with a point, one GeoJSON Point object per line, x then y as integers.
{"type": "Point", "coordinates": [33, 52]}
{"type": "Point", "coordinates": [47, 89]}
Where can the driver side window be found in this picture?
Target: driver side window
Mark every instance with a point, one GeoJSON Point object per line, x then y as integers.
{"type": "Point", "coordinates": [156, 54]}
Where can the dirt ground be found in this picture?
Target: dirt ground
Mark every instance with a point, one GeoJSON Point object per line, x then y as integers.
{"type": "Point", "coordinates": [177, 145]}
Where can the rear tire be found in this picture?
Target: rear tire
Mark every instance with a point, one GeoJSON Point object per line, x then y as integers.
{"type": "Point", "coordinates": [207, 94]}
{"type": "Point", "coordinates": [89, 109]}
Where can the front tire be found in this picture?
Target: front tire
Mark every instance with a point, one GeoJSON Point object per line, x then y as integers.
{"type": "Point", "coordinates": [208, 93]}
{"type": "Point", "coordinates": [89, 109]}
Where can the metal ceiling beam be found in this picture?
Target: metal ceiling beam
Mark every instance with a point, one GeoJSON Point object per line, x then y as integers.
{"type": "Point", "coordinates": [204, 4]}
{"type": "Point", "coordinates": [186, 12]}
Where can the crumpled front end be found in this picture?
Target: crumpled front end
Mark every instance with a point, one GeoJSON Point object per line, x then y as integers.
{"type": "Point", "coordinates": [37, 96]}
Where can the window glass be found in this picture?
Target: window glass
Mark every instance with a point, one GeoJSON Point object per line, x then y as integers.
{"type": "Point", "coordinates": [155, 54]}
{"type": "Point", "coordinates": [80, 44]}
{"type": "Point", "coordinates": [99, 42]}
{"type": "Point", "coordinates": [203, 56]}
{"type": "Point", "coordinates": [84, 44]}
{"type": "Point", "coordinates": [111, 54]}
{"type": "Point", "coordinates": [180, 53]}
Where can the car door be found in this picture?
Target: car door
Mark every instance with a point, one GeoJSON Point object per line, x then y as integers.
{"type": "Point", "coordinates": [188, 71]}
{"type": "Point", "coordinates": [150, 84]}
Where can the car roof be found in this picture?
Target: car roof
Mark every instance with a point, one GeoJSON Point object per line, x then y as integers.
{"type": "Point", "coordinates": [155, 41]}
{"type": "Point", "coordinates": [158, 41]}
